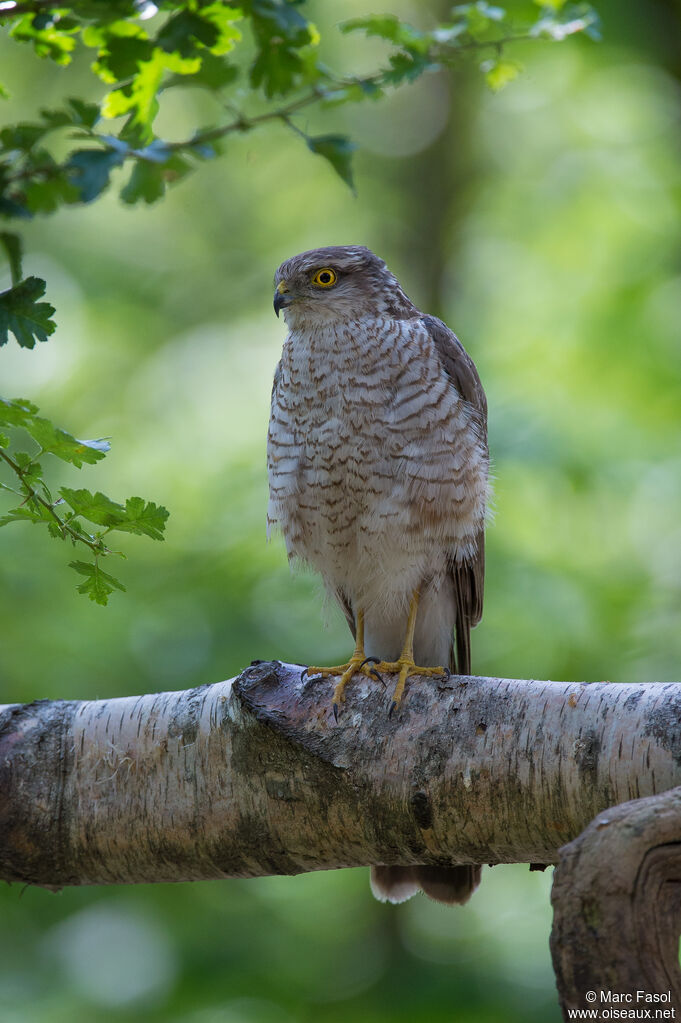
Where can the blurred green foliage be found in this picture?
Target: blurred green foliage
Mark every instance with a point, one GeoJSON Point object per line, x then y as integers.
{"type": "Point", "coordinates": [542, 223]}
{"type": "Point", "coordinates": [142, 50]}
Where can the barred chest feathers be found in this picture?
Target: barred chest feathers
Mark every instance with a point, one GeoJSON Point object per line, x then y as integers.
{"type": "Point", "coordinates": [374, 458]}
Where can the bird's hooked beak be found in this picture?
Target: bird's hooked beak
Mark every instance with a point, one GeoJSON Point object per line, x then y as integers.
{"type": "Point", "coordinates": [282, 297]}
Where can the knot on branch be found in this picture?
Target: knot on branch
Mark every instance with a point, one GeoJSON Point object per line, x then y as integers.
{"type": "Point", "coordinates": [617, 908]}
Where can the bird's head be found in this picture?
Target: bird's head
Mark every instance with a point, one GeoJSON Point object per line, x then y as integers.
{"type": "Point", "coordinates": [339, 282]}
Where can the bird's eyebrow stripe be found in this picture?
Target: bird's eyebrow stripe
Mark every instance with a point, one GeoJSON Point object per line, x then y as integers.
{"type": "Point", "coordinates": [316, 267]}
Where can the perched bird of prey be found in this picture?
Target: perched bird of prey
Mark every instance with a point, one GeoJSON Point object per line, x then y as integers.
{"type": "Point", "coordinates": [378, 473]}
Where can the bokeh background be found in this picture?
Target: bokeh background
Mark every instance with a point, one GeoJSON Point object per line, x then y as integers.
{"type": "Point", "coordinates": [543, 224]}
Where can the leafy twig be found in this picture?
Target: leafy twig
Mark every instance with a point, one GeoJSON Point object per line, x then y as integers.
{"type": "Point", "coordinates": [38, 506]}
{"type": "Point", "coordinates": [95, 544]}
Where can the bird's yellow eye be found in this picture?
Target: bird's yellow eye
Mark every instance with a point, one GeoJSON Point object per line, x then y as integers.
{"type": "Point", "coordinates": [325, 277]}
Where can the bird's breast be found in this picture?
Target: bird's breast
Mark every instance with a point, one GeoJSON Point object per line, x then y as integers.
{"type": "Point", "coordinates": [371, 444]}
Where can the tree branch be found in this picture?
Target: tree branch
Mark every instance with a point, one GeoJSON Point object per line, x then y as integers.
{"type": "Point", "coordinates": [253, 777]}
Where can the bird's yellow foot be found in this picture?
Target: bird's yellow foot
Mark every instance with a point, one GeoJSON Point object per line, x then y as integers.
{"type": "Point", "coordinates": [358, 664]}
{"type": "Point", "coordinates": [405, 667]}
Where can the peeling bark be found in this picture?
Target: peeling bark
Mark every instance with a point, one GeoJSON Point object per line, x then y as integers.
{"type": "Point", "coordinates": [617, 910]}
{"type": "Point", "coordinates": [254, 777]}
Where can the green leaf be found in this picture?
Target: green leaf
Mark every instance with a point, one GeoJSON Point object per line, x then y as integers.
{"type": "Point", "coordinates": [83, 112]}
{"type": "Point", "coordinates": [42, 184]}
{"type": "Point", "coordinates": [34, 513]}
{"type": "Point", "coordinates": [97, 508]}
{"type": "Point", "coordinates": [276, 68]}
{"type": "Point", "coordinates": [98, 584]}
{"type": "Point", "coordinates": [23, 460]}
{"type": "Point", "coordinates": [12, 246]}
{"type": "Point", "coordinates": [56, 441]}
{"type": "Point", "coordinates": [282, 36]}
{"type": "Point", "coordinates": [498, 73]}
{"type": "Point", "coordinates": [389, 27]}
{"type": "Point", "coordinates": [139, 98]}
{"type": "Point", "coordinates": [183, 31]}
{"type": "Point", "coordinates": [338, 150]}
{"type": "Point", "coordinates": [138, 516]}
{"type": "Point", "coordinates": [90, 169]}
{"type": "Point", "coordinates": [406, 67]}
{"type": "Point", "coordinates": [23, 135]}
{"type": "Point", "coordinates": [157, 165]}
{"type": "Point", "coordinates": [146, 182]}
{"type": "Point", "coordinates": [32, 475]}
{"type": "Point", "coordinates": [214, 73]}
{"type": "Point", "coordinates": [52, 439]}
{"type": "Point", "coordinates": [20, 313]}
{"type": "Point", "coordinates": [144, 518]}
{"type": "Point", "coordinates": [122, 47]}
{"type": "Point", "coordinates": [16, 411]}
{"type": "Point", "coordinates": [10, 208]}
{"type": "Point", "coordinates": [47, 194]}
{"type": "Point", "coordinates": [411, 60]}
{"type": "Point", "coordinates": [223, 17]}
{"type": "Point", "coordinates": [56, 118]}
{"type": "Point", "coordinates": [280, 18]}
{"type": "Point", "coordinates": [48, 39]}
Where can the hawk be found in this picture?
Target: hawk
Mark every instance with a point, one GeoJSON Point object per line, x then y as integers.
{"type": "Point", "coordinates": [378, 476]}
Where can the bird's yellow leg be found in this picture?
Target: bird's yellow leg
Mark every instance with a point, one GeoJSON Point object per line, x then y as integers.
{"type": "Point", "coordinates": [405, 663]}
{"type": "Point", "coordinates": [346, 671]}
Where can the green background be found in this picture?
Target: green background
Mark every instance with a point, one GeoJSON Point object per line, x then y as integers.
{"type": "Point", "coordinates": [543, 224]}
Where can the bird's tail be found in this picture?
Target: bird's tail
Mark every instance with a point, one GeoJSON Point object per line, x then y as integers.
{"type": "Point", "coordinates": [451, 885]}
{"type": "Point", "coordinates": [460, 663]}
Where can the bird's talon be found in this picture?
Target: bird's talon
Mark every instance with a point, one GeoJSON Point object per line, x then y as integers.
{"type": "Point", "coordinates": [373, 668]}
{"type": "Point", "coordinates": [303, 674]}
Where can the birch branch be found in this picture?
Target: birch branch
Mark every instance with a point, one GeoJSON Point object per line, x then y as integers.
{"type": "Point", "coordinates": [253, 776]}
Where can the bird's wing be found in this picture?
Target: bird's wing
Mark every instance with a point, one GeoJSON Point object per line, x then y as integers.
{"type": "Point", "coordinates": [460, 368]}
{"type": "Point", "coordinates": [277, 378]}
{"type": "Point", "coordinates": [347, 609]}
{"type": "Point", "coordinates": [469, 576]}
